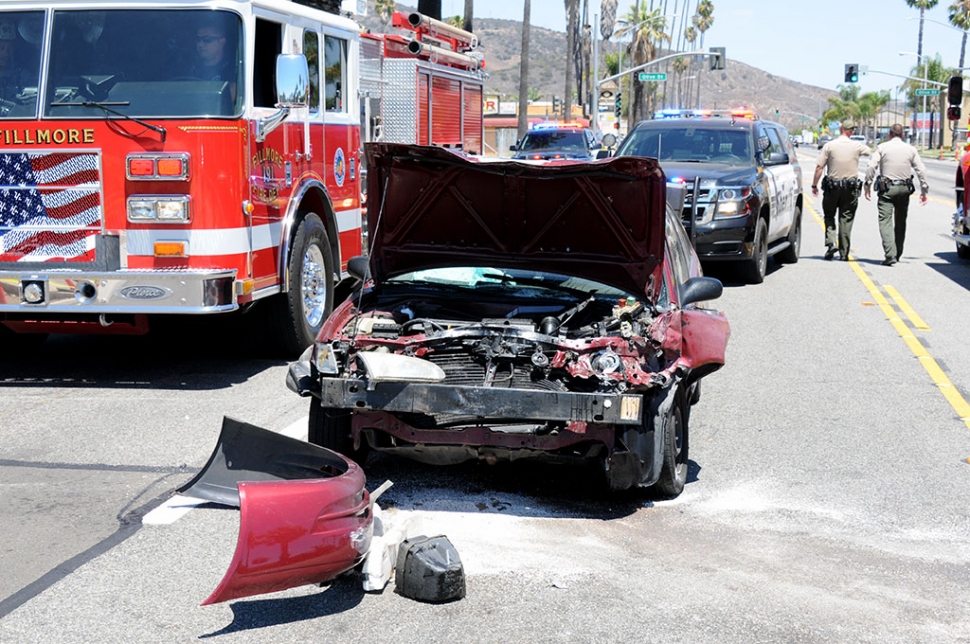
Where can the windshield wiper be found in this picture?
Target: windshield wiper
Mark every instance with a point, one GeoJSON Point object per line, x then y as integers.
{"type": "Point", "coordinates": [106, 108]}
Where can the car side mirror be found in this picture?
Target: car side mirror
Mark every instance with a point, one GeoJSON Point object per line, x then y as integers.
{"type": "Point", "coordinates": [777, 158]}
{"type": "Point", "coordinates": [604, 154]}
{"type": "Point", "coordinates": [359, 267]}
{"type": "Point", "coordinates": [699, 289]}
{"type": "Point", "coordinates": [513, 148]}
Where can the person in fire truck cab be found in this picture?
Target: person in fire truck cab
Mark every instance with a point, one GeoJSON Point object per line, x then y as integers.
{"type": "Point", "coordinates": [214, 63]}
{"type": "Point", "coordinates": [12, 74]}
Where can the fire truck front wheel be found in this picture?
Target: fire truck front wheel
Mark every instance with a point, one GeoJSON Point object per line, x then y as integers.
{"type": "Point", "coordinates": [303, 309]}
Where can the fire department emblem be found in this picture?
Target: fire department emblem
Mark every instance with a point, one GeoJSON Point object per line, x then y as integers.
{"type": "Point", "coordinates": [339, 166]}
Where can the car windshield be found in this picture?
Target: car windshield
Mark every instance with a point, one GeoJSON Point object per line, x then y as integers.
{"type": "Point", "coordinates": [689, 143]}
{"type": "Point", "coordinates": [554, 140]}
{"type": "Point", "coordinates": [144, 63]}
{"type": "Point", "coordinates": [524, 283]}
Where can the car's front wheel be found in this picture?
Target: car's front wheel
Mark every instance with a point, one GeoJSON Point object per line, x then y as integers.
{"type": "Point", "coordinates": [673, 473]}
{"type": "Point", "coordinates": [330, 428]}
{"type": "Point", "coordinates": [963, 252]}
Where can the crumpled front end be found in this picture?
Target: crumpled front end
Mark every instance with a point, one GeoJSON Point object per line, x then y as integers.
{"type": "Point", "coordinates": [448, 390]}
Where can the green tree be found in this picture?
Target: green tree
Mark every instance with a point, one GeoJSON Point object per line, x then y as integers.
{"type": "Point", "coordinates": [384, 9]}
{"type": "Point", "coordinates": [922, 5]}
{"type": "Point", "coordinates": [960, 18]}
{"type": "Point", "coordinates": [703, 20]}
{"type": "Point", "coordinates": [934, 70]}
{"type": "Point", "coordinates": [870, 104]}
{"type": "Point", "coordinates": [648, 29]}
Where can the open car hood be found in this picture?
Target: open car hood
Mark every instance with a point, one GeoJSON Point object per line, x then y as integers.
{"type": "Point", "coordinates": [429, 207]}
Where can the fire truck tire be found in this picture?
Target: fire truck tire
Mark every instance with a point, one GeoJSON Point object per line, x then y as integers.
{"type": "Point", "coordinates": [301, 312]}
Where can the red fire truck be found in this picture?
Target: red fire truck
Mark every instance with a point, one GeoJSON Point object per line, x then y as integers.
{"type": "Point", "coordinates": [175, 157]}
{"type": "Point", "coordinates": [423, 87]}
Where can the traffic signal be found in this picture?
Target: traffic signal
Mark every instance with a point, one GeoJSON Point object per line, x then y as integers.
{"type": "Point", "coordinates": [718, 55]}
{"type": "Point", "coordinates": [618, 106]}
{"type": "Point", "coordinates": [954, 91]}
{"type": "Point", "coordinates": [852, 73]}
{"type": "Point", "coordinates": [556, 104]}
{"type": "Point", "coordinates": [953, 113]}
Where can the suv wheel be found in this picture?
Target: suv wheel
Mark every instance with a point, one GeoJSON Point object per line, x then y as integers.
{"type": "Point", "coordinates": [790, 254]}
{"type": "Point", "coordinates": [757, 265]}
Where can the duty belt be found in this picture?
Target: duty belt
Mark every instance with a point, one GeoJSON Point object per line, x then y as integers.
{"type": "Point", "coordinates": [829, 184]}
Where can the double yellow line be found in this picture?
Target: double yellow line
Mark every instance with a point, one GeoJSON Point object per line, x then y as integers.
{"type": "Point", "coordinates": [932, 368]}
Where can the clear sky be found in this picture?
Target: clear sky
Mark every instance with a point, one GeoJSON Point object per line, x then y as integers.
{"type": "Point", "coordinates": [809, 41]}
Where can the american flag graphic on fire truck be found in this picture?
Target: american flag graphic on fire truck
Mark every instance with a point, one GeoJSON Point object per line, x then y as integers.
{"type": "Point", "coordinates": [50, 206]}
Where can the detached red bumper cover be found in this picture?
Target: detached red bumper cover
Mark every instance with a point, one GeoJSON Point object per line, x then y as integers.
{"type": "Point", "coordinates": [292, 531]}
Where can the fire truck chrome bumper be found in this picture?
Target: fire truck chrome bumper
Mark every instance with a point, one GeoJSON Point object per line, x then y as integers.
{"type": "Point", "coordinates": [117, 292]}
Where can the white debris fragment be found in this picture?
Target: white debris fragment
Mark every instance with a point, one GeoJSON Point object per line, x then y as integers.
{"type": "Point", "coordinates": [389, 531]}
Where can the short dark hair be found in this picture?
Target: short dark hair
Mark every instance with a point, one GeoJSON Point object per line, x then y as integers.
{"type": "Point", "coordinates": [896, 130]}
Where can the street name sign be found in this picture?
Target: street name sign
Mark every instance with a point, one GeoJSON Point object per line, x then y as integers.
{"type": "Point", "coordinates": [927, 92]}
{"type": "Point", "coordinates": [646, 76]}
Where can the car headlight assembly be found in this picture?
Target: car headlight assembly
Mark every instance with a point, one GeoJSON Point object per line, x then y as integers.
{"type": "Point", "coordinates": [606, 362]}
{"type": "Point", "coordinates": [394, 367]}
{"type": "Point", "coordinates": [732, 202]}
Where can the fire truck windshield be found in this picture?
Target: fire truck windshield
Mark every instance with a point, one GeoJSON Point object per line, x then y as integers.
{"type": "Point", "coordinates": [146, 63]}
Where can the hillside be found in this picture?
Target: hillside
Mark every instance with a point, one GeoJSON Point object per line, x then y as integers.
{"type": "Point", "coordinates": [738, 84]}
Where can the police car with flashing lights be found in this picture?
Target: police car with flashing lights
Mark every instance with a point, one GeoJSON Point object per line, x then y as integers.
{"type": "Point", "coordinates": [744, 185]}
{"type": "Point", "coordinates": [548, 141]}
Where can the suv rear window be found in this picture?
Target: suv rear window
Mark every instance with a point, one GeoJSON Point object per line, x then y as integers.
{"type": "Point", "coordinates": [711, 145]}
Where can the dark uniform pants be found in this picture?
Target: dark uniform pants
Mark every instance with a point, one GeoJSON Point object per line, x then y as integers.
{"type": "Point", "coordinates": [844, 201]}
{"type": "Point", "coordinates": [895, 200]}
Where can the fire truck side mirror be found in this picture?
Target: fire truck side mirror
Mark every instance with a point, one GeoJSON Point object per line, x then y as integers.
{"type": "Point", "coordinates": [292, 80]}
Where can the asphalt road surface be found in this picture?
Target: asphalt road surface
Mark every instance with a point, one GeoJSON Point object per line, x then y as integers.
{"type": "Point", "coordinates": [828, 499]}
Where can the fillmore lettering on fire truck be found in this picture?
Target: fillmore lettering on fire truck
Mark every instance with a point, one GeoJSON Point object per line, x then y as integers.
{"type": "Point", "coordinates": [266, 187]}
{"type": "Point", "coordinates": [47, 136]}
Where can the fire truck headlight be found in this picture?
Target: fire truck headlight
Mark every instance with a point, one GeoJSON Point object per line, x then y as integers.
{"type": "Point", "coordinates": [169, 210]}
{"type": "Point", "coordinates": [175, 210]}
{"type": "Point", "coordinates": [141, 210]}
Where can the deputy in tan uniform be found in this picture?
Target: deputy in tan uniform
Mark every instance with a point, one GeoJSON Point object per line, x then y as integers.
{"type": "Point", "coordinates": [841, 185]}
{"type": "Point", "coordinates": [895, 161]}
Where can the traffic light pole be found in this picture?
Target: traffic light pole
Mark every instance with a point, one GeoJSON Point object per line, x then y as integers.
{"type": "Point", "coordinates": [640, 68]}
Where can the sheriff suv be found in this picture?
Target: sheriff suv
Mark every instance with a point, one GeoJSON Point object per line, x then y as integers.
{"type": "Point", "coordinates": [748, 203]}
{"type": "Point", "coordinates": [549, 141]}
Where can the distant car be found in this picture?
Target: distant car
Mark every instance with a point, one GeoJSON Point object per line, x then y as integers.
{"type": "Point", "coordinates": [548, 141]}
{"type": "Point", "coordinates": [512, 311]}
{"type": "Point", "coordinates": [859, 137]}
{"type": "Point", "coordinates": [749, 202]}
{"type": "Point", "coordinates": [822, 140]}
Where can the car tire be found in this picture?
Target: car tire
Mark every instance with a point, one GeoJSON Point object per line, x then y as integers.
{"type": "Point", "coordinates": [790, 254]}
{"type": "Point", "coordinates": [757, 264]}
{"type": "Point", "coordinates": [301, 311]}
{"type": "Point", "coordinates": [330, 428]}
{"type": "Point", "coordinates": [963, 252]}
{"type": "Point", "coordinates": [673, 472]}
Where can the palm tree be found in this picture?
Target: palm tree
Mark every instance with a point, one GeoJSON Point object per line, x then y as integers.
{"type": "Point", "coordinates": [648, 28]}
{"type": "Point", "coordinates": [432, 8]}
{"type": "Point", "coordinates": [572, 44]}
{"type": "Point", "coordinates": [469, 10]}
{"type": "Point", "coordinates": [703, 20]}
{"type": "Point", "coordinates": [960, 18]}
{"type": "Point", "coordinates": [524, 71]}
{"type": "Point", "coordinates": [384, 9]}
{"type": "Point", "coordinates": [922, 5]}
{"type": "Point", "coordinates": [934, 70]}
{"type": "Point", "coordinates": [870, 104]}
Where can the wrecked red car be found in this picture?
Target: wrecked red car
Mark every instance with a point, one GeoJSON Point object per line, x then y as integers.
{"type": "Point", "coordinates": [509, 311]}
